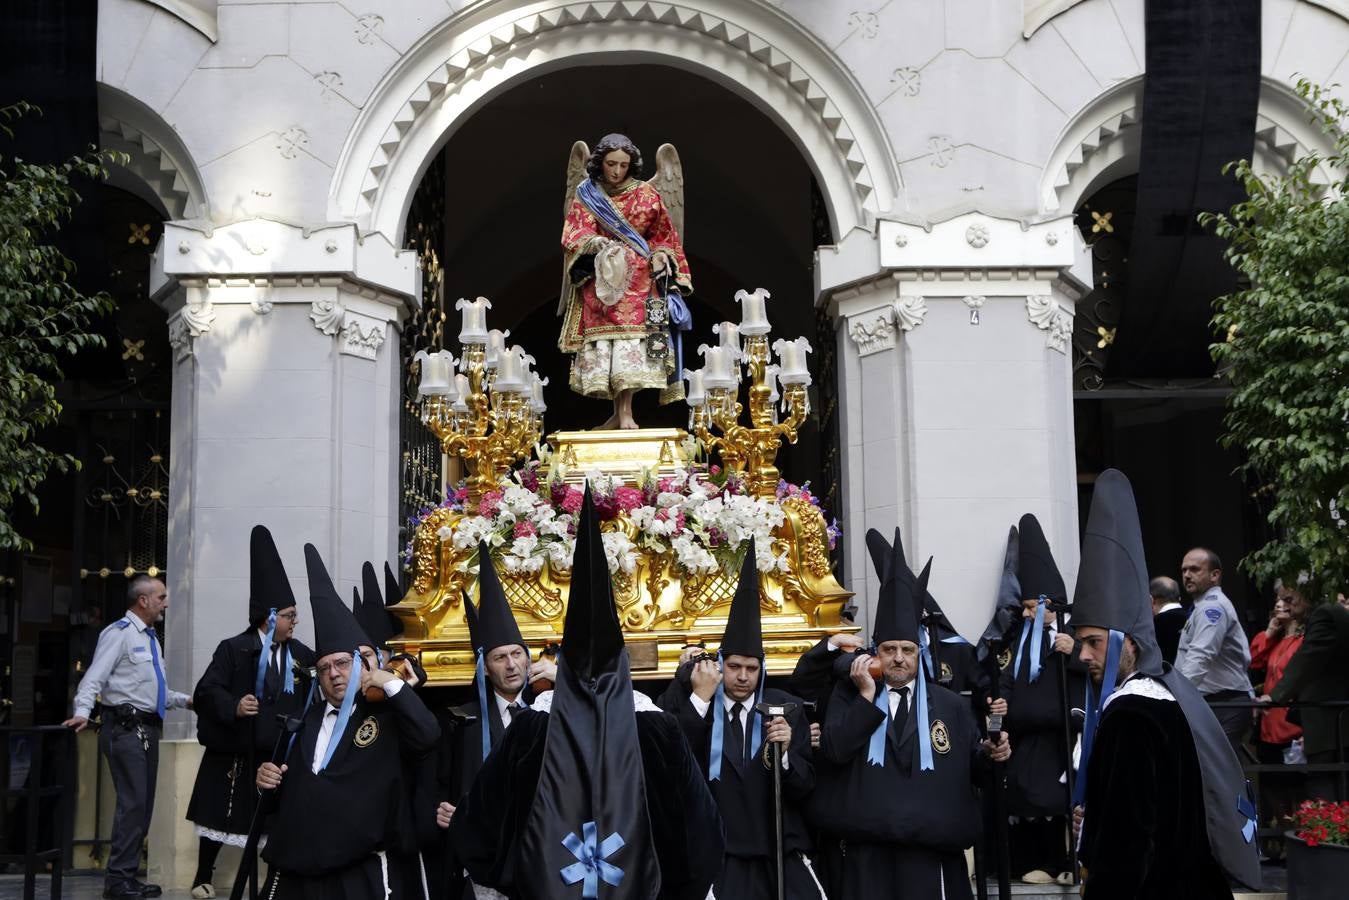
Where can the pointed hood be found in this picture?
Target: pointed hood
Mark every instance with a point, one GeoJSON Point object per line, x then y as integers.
{"type": "Point", "coordinates": [393, 592]}
{"type": "Point", "coordinates": [1112, 579]}
{"type": "Point", "coordinates": [744, 630]}
{"type": "Point", "coordinates": [374, 620]}
{"type": "Point", "coordinates": [335, 627]}
{"type": "Point", "coordinates": [496, 625]}
{"type": "Point", "coordinates": [1007, 608]}
{"type": "Point", "coordinates": [471, 618]}
{"type": "Point", "coordinates": [899, 603]}
{"type": "Point", "coordinates": [1037, 572]}
{"type": "Point", "coordinates": [268, 587]}
{"type": "Point", "coordinates": [591, 795]}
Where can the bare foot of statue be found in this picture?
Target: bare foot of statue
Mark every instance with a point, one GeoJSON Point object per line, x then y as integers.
{"type": "Point", "coordinates": [609, 424]}
{"type": "Point", "coordinates": [628, 422]}
{"type": "Point", "coordinates": [623, 410]}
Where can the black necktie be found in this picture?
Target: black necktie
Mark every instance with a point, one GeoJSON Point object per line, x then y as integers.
{"type": "Point", "coordinates": [901, 716]}
{"type": "Point", "coordinates": [271, 682]}
{"type": "Point", "coordinates": [735, 741]}
{"type": "Point", "coordinates": [511, 710]}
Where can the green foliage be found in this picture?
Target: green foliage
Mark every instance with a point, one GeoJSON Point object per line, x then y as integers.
{"type": "Point", "coordinates": [1287, 351]}
{"type": "Point", "coordinates": [43, 318]}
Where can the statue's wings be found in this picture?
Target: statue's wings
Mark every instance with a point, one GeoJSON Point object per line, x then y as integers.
{"type": "Point", "coordinates": [576, 172]}
{"type": "Point", "coordinates": [669, 183]}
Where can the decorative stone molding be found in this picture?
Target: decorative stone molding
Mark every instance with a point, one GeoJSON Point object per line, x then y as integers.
{"type": "Point", "coordinates": [361, 336]}
{"type": "Point", "coordinates": [188, 324]}
{"type": "Point", "coordinates": [328, 316]}
{"type": "Point", "coordinates": [873, 331]}
{"type": "Point", "coordinates": [1049, 317]}
{"type": "Point", "coordinates": [156, 156]}
{"type": "Point", "coordinates": [975, 303]}
{"type": "Point", "coordinates": [261, 304]}
{"type": "Point", "coordinates": [759, 50]}
{"type": "Point", "coordinates": [976, 240]}
{"type": "Point", "coordinates": [977, 235]}
{"type": "Point", "coordinates": [910, 311]}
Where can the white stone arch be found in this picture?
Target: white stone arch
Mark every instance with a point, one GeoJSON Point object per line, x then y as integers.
{"type": "Point", "coordinates": [1101, 143]}
{"type": "Point", "coordinates": [747, 46]}
{"type": "Point", "coordinates": [159, 169]}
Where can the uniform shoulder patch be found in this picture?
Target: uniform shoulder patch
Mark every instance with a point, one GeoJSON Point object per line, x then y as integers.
{"type": "Point", "coordinates": [367, 733]}
{"type": "Point", "coordinates": [122, 624]}
{"type": "Point", "coordinates": [1213, 614]}
{"type": "Point", "coordinates": [941, 738]}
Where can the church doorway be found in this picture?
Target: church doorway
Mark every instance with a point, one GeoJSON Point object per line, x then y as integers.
{"type": "Point", "coordinates": [489, 213]}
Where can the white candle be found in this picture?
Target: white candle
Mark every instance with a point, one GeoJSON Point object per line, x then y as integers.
{"type": "Point", "coordinates": [436, 369]}
{"type": "Point", "coordinates": [717, 367]}
{"type": "Point", "coordinates": [536, 400]}
{"type": "Point", "coordinates": [474, 330]}
{"type": "Point", "coordinates": [462, 389]}
{"type": "Point", "coordinates": [496, 345]}
{"type": "Point", "coordinates": [792, 356]}
{"type": "Point", "coordinates": [771, 376]}
{"type": "Point", "coordinates": [753, 316]}
{"type": "Point", "coordinates": [510, 371]}
{"type": "Point", "coordinates": [730, 337]}
{"type": "Point", "coordinates": [697, 396]}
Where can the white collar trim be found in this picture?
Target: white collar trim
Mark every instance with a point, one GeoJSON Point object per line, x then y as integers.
{"type": "Point", "coordinates": [1141, 686]}
{"type": "Point", "coordinates": [640, 702]}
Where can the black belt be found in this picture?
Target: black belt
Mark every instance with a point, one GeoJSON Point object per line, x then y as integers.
{"type": "Point", "coordinates": [1220, 696]}
{"type": "Point", "coordinates": [129, 713]}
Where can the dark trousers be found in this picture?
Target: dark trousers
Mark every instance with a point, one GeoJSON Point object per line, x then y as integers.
{"type": "Point", "coordinates": [133, 766]}
{"type": "Point", "coordinates": [1235, 721]}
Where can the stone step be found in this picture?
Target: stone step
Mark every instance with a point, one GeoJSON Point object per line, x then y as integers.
{"type": "Point", "coordinates": [1059, 892]}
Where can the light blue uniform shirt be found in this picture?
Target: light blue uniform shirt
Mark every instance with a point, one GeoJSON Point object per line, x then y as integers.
{"type": "Point", "coordinates": [123, 671]}
{"type": "Point", "coordinates": [1214, 654]}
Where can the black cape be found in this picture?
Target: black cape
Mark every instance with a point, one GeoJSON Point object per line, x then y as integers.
{"type": "Point", "coordinates": [686, 829]}
{"type": "Point", "coordinates": [1034, 725]}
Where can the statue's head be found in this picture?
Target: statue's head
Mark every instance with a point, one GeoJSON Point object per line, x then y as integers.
{"type": "Point", "coordinates": [619, 146]}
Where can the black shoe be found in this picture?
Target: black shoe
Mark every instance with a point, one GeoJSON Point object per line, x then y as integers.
{"type": "Point", "coordinates": [149, 890]}
{"type": "Point", "coordinates": [122, 890]}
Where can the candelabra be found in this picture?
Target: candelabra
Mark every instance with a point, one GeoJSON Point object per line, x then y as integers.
{"type": "Point", "coordinates": [713, 395]}
{"type": "Point", "coordinates": [490, 414]}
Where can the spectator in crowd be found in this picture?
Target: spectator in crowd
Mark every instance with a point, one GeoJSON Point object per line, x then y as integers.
{"type": "Point", "coordinates": [1168, 616]}
{"type": "Point", "coordinates": [1319, 671]}
{"type": "Point", "coordinates": [1271, 650]}
{"type": "Point", "coordinates": [1213, 653]}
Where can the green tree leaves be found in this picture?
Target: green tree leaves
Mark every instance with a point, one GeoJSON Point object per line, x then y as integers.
{"type": "Point", "coordinates": [1287, 351]}
{"type": "Point", "coordinates": [43, 317]}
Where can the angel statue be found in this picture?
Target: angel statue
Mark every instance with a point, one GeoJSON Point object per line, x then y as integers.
{"type": "Point", "coordinates": [624, 275]}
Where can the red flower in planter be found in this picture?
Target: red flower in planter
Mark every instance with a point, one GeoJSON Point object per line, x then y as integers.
{"type": "Point", "coordinates": [1323, 822]}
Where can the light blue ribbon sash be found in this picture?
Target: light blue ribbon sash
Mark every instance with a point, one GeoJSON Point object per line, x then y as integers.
{"type": "Point", "coordinates": [265, 659]}
{"type": "Point", "coordinates": [592, 865]}
{"type": "Point", "coordinates": [1035, 630]}
{"type": "Point", "coordinates": [752, 732]}
{"type": "Point", "coordinates": [1108, 678]}
{"type": "Point", "coordinates": [344, 712]}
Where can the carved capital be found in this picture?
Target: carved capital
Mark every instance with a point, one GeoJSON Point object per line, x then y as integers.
{"type": "Point", "coordinates": [873, 331]}
{"type": "Point", "coordinates": [361, 336]}
{"type": "Point", "coordinates": [1051, 318]}
{"type": "Point", "coordinates": [188, 324]}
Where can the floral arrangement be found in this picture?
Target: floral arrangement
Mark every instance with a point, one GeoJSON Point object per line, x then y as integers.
{"type": "Point", "coordinates": [1322, 822]}
{"type": "Point", "coordinates": [701, 517]}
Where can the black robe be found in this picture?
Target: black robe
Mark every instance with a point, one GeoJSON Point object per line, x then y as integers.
{"type": "Point", "coordinates": [329, 825]}
{"type": "Point", "coordinates": [744, 797]}
{"type": "Point", "coordinates": [223, 795]}
{"type": "Point", "coordinates": [686, 829]}
{"type": "Point", "coordinates": [896, 824]}
{"type": "Point", "coordinates": [1034, 725]}
{"type": "Point", "coordinates": [1144, 834]}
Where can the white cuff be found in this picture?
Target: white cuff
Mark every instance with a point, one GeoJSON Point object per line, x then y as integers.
{"type": "Point", "coordinates": [699, 704]}
{"type": "Point", "coordinates": [393, 687]}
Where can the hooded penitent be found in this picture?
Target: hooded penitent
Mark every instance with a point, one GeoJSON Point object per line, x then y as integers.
{"type": "Point", "coordinates": [588, 826]}
{"type": "Point", "coordinates": [335, 631]}
{"type": "Point", "coordinates": [743, 637]}
{"type": "Point", "coordinates": [1112, 593]}
{"type": "Point", "coordinates": [899, 617]}
{"type": "Point", "coordinates": [370, 611]}
{"type": "Point", "coordinates": [269, 593]}
{"type": "Point", "coordinates": [490, 625]}
{"type": "Point", "coordinates": [1040, 580]}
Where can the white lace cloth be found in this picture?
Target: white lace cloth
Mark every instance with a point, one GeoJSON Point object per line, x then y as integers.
{"type": "Point", "coordinates": [1141, 686]}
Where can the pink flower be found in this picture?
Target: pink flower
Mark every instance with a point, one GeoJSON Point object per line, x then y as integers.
{"type": "Point", "coordinates": [529, 477]}
{"type": "Point", "coordinates": [525, 529]}
{"type": "Point", "coordinates": [667, 486]}
{"type": "Point", "coordinates": [627, 498]}
{"type": "Point", "coordinates": [490, 504]}
{"type": "Point", "coordinates": [715, 470]}
{"type": "Point", "coordinates": [571, 500]}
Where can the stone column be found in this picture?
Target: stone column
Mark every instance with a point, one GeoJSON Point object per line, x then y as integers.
{"type": "Point", "coordinates": [958, 418]}
{"type": "Point", "coordinates": [284, 413]}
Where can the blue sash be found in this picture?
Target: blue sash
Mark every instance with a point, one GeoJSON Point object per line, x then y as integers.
{"type": "Point", "coordinates": [594, 199]}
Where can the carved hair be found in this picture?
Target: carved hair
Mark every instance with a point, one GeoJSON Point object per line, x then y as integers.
{"type": "Point", "coordinates": [608, 144]}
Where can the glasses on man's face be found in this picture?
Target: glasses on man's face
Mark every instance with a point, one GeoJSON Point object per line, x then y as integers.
{"type": "Point", "coordinates": [337, 666]}
{"type": "Point", "coordinates": [288, 614]}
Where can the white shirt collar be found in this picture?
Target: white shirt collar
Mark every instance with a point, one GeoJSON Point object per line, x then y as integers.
{"type": "Point", "coordinates": [135, 621]}
{"type": "Point", "coordinates": [502, 703]}
{"type": "Point", "coordinates": [1168, 607]}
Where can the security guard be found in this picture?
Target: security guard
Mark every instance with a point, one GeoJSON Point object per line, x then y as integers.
{"type": "Point", "coordinates": [128, 673]}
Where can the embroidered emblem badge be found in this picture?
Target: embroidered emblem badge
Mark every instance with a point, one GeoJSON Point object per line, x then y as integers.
{"type": "Point", "coordinates": [366, 734]}
{"type": "Point", "coordinates": [941, 738]}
